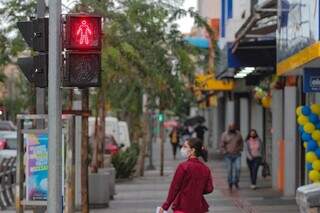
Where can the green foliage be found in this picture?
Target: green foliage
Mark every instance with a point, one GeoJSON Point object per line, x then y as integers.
{"type": "Point", "coordinates": [11, 42]}
{"type": "Point", "coordinates": [125, 161]}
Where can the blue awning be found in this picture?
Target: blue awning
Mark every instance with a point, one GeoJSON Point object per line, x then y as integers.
{"type": "Point", "coordinates": [198, 42]}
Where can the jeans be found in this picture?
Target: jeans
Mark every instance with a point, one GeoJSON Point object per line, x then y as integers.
{"type": "Point", "coordinates": [233, 166]}
{"type": "Point", "coordinates": [254, 167]}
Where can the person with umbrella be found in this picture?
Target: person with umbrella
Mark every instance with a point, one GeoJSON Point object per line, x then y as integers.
{"type": "Point", "coordinates": [174, 139]}
{"type": "Point", "coordinates": [200, 130]}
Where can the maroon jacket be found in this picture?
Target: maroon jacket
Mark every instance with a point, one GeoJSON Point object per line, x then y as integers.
{"type": "Point", "coordinates": [191, 180]}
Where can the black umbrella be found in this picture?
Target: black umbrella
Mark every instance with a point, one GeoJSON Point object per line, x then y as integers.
{"type": "Point", "coordinates": [194, 120]}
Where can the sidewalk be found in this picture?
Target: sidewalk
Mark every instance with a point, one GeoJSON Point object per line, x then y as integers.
{"type": "Point", "coordinates": [143, 195]}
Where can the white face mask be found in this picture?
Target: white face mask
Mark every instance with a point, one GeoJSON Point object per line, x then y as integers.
{"type": "Point", "coordinates": [184, 152]}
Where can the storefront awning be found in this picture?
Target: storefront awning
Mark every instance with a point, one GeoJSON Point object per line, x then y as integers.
{"type": "Point", "coordinates": [262, 23]}
{"type": "Point", "coordinates": [253, 54]}
{"type": "Point", "coordinates": [199, 42]}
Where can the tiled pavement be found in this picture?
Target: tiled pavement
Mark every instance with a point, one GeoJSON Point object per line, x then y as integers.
{"type": "Point", "coordinates": [143, 195]}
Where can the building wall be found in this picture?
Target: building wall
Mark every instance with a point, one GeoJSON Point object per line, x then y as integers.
{"type": "Point", "coordinates": [232, 17]}
{"type": "Point", "coordinates": [290, 132]}
{"type": "Point", "coordinates": [277, 134]}
{"type": "Point", "coordinates": [244, 124]}
{"type": "Point", "coordinates": [256, 121]}
{"type": "Point", "coordinates": [209, 8]}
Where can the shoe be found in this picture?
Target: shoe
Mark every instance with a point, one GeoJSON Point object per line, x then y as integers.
{"type": "Point", "coordinates": [253, 187]}
{"type": "Point", "coordinates": [236, 185]}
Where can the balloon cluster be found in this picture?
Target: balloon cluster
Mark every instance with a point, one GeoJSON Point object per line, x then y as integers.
{"type": "Point", "coordinates": [309, 129]}
{"type": "Point", "coordinates": [262, 97]}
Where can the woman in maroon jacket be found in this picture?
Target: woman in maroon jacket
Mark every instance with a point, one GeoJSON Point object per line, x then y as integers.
{"type": "Point", "coordinates": [191, 181]}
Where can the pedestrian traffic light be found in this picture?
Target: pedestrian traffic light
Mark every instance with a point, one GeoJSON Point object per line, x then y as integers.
{"type": "Point", "coordinates": [83, 32]}
{"type": "Point", "coordinates": [35, 68]}
{"type": "Point", "coordinates": [83, 45]}
{"type": "Point", "coordinates": [161, 117]}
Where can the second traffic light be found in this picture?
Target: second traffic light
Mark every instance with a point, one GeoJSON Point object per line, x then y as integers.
{"type": "Point", "coordinates": [35, 68]}
{"type": "Point", "coordinates": [83, 45]}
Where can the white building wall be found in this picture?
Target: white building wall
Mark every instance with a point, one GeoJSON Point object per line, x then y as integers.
{"type": "Point", "coordinates": [209, 8]}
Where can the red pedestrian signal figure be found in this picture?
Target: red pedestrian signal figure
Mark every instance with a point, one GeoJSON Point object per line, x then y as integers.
{"type": "Point", "coordinates": [83, 38]}
{"type": "Point", "coordinates": [84, 32]}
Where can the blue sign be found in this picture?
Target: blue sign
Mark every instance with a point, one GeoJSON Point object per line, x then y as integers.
{"type": "Point", "coordinates": [311, 80]}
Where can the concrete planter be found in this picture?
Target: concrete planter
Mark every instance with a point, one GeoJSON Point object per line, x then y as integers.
{"type": "Point", "coordinates": [99, 191]}
{"type": "Point", "coordinates": [112, 179]}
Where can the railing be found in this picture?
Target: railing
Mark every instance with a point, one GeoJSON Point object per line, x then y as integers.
{"type": "Point", "coordinates": [7, 182]}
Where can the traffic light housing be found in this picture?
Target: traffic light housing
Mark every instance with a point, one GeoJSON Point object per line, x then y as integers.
{"type": "Point", "coordinates": [160, 117]}
{"type": "Point", "coordinates": [83, 35]}
{"type": "Point", "coordinates": [35, 68]}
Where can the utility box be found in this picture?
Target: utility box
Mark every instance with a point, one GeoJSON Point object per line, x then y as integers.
{"type": "Point", "coordinates": [308, 198]}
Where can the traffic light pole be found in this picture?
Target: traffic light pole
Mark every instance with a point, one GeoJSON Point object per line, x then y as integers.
{"type": "Point", "coordinates": [40, 92]}
{"type": "Point", "coordinates": [54, 110]}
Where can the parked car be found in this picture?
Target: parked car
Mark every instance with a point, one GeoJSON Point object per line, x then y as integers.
{"type": "Point", "coordinates": [7, 126]}
{"type": "Point", "coordinates": [111, 146]}
{"type": "Point", "coordinates": [118, 129]}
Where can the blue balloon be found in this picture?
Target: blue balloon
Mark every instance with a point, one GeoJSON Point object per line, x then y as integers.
{"type": "Point", "coordinates": [309, 167]}
{"type": "Point", "coordinates": [318, 152]}
{"type": "Point", "coordinates": [312, 145]}
{"type": "Point", "coordinates": [318, 125]}
{"type": "Point", "coordinates": [306, 111]}
{"type": "Point", "coordinates": [301, 130]}
{"type": "Point", "coordinates": [306, 137]}
{"type": "Point", "coordinates": [313, 118]}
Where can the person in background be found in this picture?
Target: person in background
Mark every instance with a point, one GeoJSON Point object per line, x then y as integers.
{"type": "Point", "coordinates": [191, 181]}
{"type": "Point", "coordinates": [174, 139]}
{"type": "Point", "coordinates": [200, 130]}
{"type": "Point", "coordinates": [186, 133]}
{"type": "Point", "coordinates": [253, 147]}
{"type": "Point", "coordinates": [231, 146]}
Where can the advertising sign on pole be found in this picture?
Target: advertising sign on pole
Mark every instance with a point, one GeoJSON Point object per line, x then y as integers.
{"type": "Point", "coordinates": [37, 166]}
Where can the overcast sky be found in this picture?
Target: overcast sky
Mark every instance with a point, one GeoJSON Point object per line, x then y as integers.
{"type": "Point", "coordinates": [187, 22]}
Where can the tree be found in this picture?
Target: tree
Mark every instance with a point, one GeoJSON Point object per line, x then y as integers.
{"type": "Point", "coordinates": [11, 45]}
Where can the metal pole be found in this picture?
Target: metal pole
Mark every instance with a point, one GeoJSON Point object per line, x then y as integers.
{"type": "Point", "coordinates": [151, 127]}
{"type": "Point", "coordinates": [54, 109]}
{"type": "Point", "coordinates": [84, 154]}
{"type": "Point", "coordinates": [161, 148]}
{"type": "Point", "coordinates": [19, 168]}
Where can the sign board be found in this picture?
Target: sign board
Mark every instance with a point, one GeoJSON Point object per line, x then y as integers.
{"type": "Point", "coordinates": [311, 80]}
{"type": "Point", "coordinates": [37, 166]}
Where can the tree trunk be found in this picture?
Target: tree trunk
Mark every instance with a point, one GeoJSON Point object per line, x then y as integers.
{"type": "Point", "coordinates": [84, 154]}
{"type": "Point", "coordinates": [101, 130]}
{"type": "Point", "coordinates": [144, 143]}
{"type": "Point", "coordinates": [94, 162]}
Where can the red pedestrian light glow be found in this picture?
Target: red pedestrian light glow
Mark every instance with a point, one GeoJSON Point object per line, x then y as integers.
{"type": "Point", "coordinates": [83, 32]}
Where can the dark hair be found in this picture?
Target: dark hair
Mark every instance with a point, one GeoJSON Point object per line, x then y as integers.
{"type": "Point", "coordinates": [197, 144]}
{"type": "Point", "coordinates": [252, 130]}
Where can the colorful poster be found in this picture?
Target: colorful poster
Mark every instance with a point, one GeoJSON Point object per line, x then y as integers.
{"type": "Point", "coordinates": [37, 166]}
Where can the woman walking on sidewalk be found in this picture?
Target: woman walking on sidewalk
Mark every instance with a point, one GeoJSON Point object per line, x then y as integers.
{"type": "Point", "coordinates": [253, 150]}
{"type": "Point", "coordinates": [191, 181]}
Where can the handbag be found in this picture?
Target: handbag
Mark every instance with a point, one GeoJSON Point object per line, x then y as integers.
{"type": "Point", "coordinates": [265, 169]}
{"type": "Point", "coordinates": [158, 210]}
